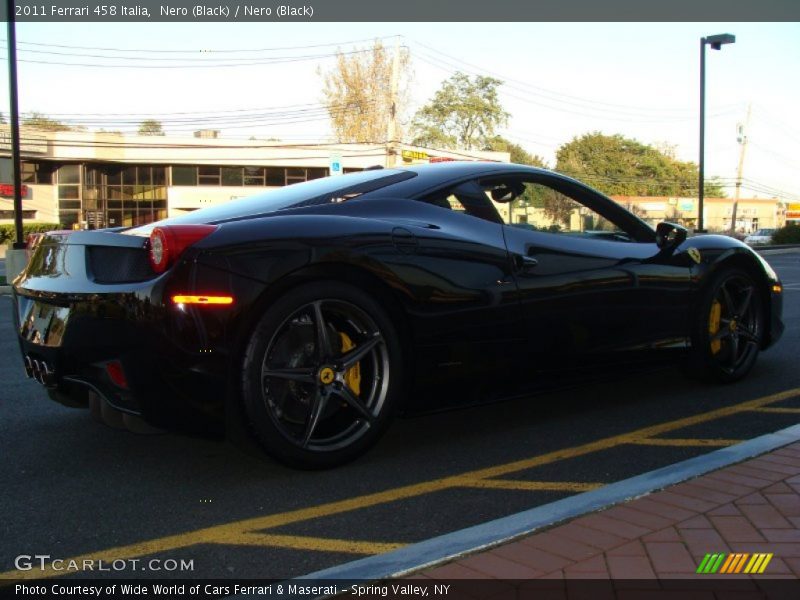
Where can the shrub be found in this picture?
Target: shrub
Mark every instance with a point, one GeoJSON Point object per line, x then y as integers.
{"type": "Point", "coordinates": [8, 233]}
{"type": "Point", "coordinates": [787, 235]}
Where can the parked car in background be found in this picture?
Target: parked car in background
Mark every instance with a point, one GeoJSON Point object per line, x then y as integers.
{"type": "Point", "coordinates": [760, 237]}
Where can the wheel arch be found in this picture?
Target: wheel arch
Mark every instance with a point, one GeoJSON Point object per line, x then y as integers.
{"type": "Point", "coordinates": [358, 276]}
{"type": "Point", "coordinates": [742, 260]}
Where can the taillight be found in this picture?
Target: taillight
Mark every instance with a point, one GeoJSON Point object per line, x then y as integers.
{"type": "Point", "coordinates": [167, 243]}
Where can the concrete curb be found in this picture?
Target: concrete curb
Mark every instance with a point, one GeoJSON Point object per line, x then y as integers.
{"type": "Point", "coordinates": [486, 535]}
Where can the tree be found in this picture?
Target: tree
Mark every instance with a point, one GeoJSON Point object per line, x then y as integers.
{"type": "Point", "coordinates": [358, 94]}
{"type": "Point", "coordinates": [464, 113]}
{"type": "Point", "coordinates": [150, 127]}
{"type": "Point", "coordinates": [518, 154]}
{"type": "Point", "coordinates": [38, 120]}
{"type": "Point", "coordinates": [622, 166]}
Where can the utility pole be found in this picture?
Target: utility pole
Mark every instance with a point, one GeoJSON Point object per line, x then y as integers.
{"type": "Point", "coordinates": [14, 119]}
{"type": "Point", "coordinates": [741, 137]}
{"type": "Point", "coordinates": [391, 133]}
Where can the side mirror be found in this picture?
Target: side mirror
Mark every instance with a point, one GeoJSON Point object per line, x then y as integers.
{"type": "Point", "coordinates": [670, 235]}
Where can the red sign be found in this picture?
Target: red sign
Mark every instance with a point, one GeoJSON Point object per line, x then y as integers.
{"type": "Point", "coordinates": [437, 159]}
{"type": "Point", "coordinates": [7, 190]}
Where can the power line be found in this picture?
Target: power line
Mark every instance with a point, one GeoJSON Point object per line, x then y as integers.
{"type": "Point", "coordinates": [191, 51]}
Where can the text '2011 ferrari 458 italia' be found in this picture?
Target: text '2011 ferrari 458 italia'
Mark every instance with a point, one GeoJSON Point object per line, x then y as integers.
{"type": "Point", "coordinates": [314, 313]}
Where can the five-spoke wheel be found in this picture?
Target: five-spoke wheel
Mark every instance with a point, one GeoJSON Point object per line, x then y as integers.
{"type": "Point", "coordinates": [320, 375]}
{"type": "Point", "coordinates": [729, 328]}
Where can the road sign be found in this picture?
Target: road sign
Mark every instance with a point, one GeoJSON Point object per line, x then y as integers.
{"type": "Point", "coordinates": [336, 164]}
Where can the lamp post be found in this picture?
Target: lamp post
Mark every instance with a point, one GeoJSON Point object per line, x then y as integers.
{"type": "Point", "coordinates": [716, 42]}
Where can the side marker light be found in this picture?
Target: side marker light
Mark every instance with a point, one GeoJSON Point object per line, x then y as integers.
{"type": "Point", "coordinates": [218, 300]}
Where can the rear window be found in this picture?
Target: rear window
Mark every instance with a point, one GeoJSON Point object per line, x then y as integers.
{"type": "Point", "coordinates": [317, 191]}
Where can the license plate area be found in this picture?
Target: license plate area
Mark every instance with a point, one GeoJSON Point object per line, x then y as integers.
{"type": "Point", "coordinates": [41, 323]}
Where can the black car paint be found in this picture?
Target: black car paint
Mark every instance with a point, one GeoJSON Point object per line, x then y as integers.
{"type": "Point", "coordinates": [471, 306]}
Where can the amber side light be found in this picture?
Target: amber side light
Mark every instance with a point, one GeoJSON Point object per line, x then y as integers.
{"type": "Point", "coordinates": [777, 288]}
{"type": "Point", "coordinates": [218, 300]}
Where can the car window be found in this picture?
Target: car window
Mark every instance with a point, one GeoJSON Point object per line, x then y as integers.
{"type": "Point", "coordinates": [467, 198]}
{"type": "Point", "coordinates": [539, 206]}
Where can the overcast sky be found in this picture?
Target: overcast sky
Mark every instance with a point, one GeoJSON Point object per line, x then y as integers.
{"type": "Point", "coordinates": [561, 80]}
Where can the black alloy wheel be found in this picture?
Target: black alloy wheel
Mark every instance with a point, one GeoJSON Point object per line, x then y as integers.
{"type": "Point", "coordinates": [321, 373]}
{"type": "Point", "coordinates": [730, 327]}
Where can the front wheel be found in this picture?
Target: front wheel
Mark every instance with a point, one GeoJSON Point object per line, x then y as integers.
{"type": "Point", "coordinates": [321, 375]}
{"type": "Point", "coordinates": [728, 328]}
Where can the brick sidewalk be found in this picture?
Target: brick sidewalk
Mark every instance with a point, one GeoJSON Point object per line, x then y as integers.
{"type": "Point", "coordinates": [752, 507]}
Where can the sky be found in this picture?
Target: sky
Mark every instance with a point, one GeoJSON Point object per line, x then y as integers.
{"type": "Point", "coordinates": [561, 80]}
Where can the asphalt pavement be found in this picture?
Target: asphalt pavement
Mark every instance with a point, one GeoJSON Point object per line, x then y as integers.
{"type": "Point", "coordinates": [75, 489]}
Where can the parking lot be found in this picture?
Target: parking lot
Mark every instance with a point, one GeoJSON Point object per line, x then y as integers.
{"type": "Point", "coordinates": [75, 489]}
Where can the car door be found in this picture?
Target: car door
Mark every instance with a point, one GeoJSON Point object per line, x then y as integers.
{"type": "Point", "coordinates": [591, 281]}
{"type": "Point", "coordinates": [465, 311]}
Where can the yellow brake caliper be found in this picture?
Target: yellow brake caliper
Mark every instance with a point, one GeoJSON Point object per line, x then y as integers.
{"type": "Point", "coordinates": [352, 376]}
{"type": "Point", "coordinates": [713, 325]}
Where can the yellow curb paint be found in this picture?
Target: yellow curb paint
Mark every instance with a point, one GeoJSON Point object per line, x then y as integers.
{"type": "Point", "coordinates": [296, 542]}
{"type": "Point", "coordinates": [685, 442]}
{"type": "Point", "coordinates": [227, 533]}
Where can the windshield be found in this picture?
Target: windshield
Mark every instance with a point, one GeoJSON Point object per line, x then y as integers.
{"type": "Point", "coordinates": [317, 191]}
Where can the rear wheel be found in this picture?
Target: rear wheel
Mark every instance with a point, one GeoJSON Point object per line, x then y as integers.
{"type": "Point", "coordinates": [321, 374]}
{"type": "Point", "coordinates": [729, 327]}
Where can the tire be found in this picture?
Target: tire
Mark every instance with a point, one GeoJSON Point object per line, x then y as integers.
{"type": "Point", "coordinates": [728, 329]}
{"type": "Point", "coordinates": [322, 375]}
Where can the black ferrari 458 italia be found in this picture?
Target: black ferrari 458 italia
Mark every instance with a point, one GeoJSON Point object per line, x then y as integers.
{"type": "Point", "coordinates": [316, 312]}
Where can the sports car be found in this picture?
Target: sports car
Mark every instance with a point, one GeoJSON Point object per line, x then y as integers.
{"type": "Point", "coordinates": [314, 313]}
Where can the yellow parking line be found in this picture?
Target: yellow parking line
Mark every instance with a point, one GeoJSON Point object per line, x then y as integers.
{"type": "Point", "coordinates": [229, 532]}
{"type": "Point", "coordinates": [787, 410]}
{"type": "Point", "coordinates": [556, 486]}
{"type": "Point", "coordinates": [684, 442]}
{"type": "Point", "coordinates": [297, 542]}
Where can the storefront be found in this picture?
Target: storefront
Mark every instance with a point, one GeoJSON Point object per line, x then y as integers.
{"type": "Point", "coordinates": [94, 180]}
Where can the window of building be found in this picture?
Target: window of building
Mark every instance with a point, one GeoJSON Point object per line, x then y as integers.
{"type": "Point", "coordinates": [37, 172]}
{"type": "Point", "coordinates": [28, 215]}
{"type": "Point", "coordinates": [69, 174]}
{"type": "Point", "coordinates": [183, 175]}
{"type": "Point", "coordinates": [316, 173]}
{"type": "Point", "coordinates": [295, 175]}
{"type": "Point", "coordinates": [231, 175]}
{"type": "Point", "coordinates": [208, 175]}
{"type": "Point", "coordinates": [276, 176]}
{"type": "Point", "coordinates": [254, 176]}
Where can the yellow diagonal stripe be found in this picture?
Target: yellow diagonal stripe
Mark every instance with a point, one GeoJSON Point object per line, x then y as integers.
{"type": "Point", "coordinates": [763, 566]}
{"type": "Point", "coordinates": [227, 532]}
{"type": "Point", "coordinates": [785, 410]}
{"type": "Point", "coordinates": [753, 561]}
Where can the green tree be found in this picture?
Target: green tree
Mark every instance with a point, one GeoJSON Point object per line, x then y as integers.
{"type": "Point", "coordinates": [465, 113]}
{"type": "Point", "coordinates": [518, 154]}
{"type": "Point", "coordinates": [359, 97]}
{"type": "Point", "coordinates": [150, 127]}
{"type": "Point", "coordinates": [38, 120]}
{"type": "Point", "coordinates": [623, 166]}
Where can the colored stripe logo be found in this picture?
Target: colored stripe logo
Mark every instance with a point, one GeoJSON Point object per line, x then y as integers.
{"type": "Point", "coordinates": [734, 563]}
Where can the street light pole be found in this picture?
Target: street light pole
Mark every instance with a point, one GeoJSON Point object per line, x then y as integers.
{"type": "Point", "coordinates": [701, 161]}
{"type": "Point", "coordinates": [14, 118]}
{"type": "Point", "coordinates": [716, 42]}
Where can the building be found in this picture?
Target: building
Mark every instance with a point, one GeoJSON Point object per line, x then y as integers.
{"type": "Point", "coordinates": [89, 179]}
{"type": "Point", "coordinates": [751, 213]}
